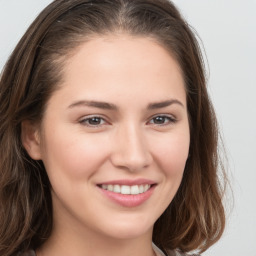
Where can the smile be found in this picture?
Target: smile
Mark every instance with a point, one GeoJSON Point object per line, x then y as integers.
{"type": "Point", "coordinates": [128, 193]}
{"type": "Point", "coordinates": [126, 189]}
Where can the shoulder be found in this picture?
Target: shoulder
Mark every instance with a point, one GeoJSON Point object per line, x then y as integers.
{"type": "Point", "coordinates": [27, 253]}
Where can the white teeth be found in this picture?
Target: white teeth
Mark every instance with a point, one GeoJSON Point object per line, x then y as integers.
{"type": "Point", "coordinates": [110, 187]}
{"type": "Point", "coordinates": [117, 189]}
{"type": "Point", "coordinates": [104, 186]}
{"type": "Point", "coordinates": [127, 190]}
{"type": "Point", "coordinates": [135, 190]}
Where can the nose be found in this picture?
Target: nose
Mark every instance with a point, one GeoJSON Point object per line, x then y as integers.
{"type": "Point", "coordinates": [130, 149]}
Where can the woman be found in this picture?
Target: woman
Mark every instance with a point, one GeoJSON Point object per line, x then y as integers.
{"type": "Point", "coordinates": [108, 137]}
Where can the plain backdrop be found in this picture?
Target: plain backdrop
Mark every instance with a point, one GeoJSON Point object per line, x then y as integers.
{"type": "Point", "coordinates": [227, 29]}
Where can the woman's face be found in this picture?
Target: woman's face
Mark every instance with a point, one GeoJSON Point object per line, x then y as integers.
{"type": "Point", "coordinates": [115, 137]}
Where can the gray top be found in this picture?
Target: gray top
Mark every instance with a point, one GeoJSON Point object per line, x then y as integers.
{"type": "Point", "coordinates": [171, 253]}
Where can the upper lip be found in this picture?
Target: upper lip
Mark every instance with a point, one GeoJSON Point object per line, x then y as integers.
{"type": "Point", "coordinates": [129, 182]}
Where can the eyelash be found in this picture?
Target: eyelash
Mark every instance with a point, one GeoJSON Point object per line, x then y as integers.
{"type": "Point", "coordinates": [168, 120]}
{"type": "Point", "coordinates": [86, 121]}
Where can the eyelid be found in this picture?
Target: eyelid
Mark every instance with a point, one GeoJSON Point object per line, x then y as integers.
{"type": "Point", "coordinates": [84, 119]}
{"type": "Point", "coordinates": [172, 119]}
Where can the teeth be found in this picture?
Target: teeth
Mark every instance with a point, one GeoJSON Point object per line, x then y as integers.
{"type": "Point", "coordinates": [110, 187]}
{"type": "Point", "coordinates": [135, 190]}
{"type": "Point", "coordinates": [104, 186]}
{"type": "Point", "coordinates": [116, 189]}
{"type": "Point", "coordinates": [127, 190]}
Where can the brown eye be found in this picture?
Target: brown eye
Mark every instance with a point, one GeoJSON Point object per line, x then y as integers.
{"type": "Point", "coordinates": [162, 120]}
{"type": "Point", "coordinates": [93, 121]}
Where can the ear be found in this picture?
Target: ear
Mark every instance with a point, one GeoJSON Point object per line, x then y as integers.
{"type": "Point", "coordinates": [30, 139]}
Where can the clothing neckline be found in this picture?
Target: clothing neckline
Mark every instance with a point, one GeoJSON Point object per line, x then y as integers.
{"type": "Point", "coordinates": [157, 250]}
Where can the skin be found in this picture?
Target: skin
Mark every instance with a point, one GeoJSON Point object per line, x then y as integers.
{"type": "Point", "coordinates": [126, 142]}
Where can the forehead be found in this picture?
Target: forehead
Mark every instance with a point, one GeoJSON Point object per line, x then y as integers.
{"type": "Point", "coordinates": [122, 65]}
{"type": "Point", "coordinates": [124, 48]}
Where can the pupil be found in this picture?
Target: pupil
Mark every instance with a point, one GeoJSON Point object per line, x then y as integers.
{"type": "Point", "coordinates": [94, 120]}
{"type": "Point", "coordinates": [159, 120]}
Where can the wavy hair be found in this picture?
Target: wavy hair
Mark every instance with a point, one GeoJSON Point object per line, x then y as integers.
{"type": "Point", "coordinates": [195, 219]}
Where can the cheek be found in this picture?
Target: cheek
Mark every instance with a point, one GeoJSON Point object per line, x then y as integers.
{"type": "Point", "coordinates": [74, 157]}
{"type": "Point", "coordinates": [171, 154]}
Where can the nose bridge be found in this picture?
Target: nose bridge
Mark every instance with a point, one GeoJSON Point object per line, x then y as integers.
{"type": "Point", "coordinates": [131, 149]}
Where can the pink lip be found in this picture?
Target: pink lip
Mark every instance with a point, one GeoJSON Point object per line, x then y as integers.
{"type": "Point", "coordinates": [129, 182]}
{"type": "Point", "coordinates": [128, 200]}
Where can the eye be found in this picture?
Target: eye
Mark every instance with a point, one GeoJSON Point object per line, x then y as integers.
{"type": "Point", "coordinates": [162, 120]}
{"type": "Point", "coordinates": [93, 121]}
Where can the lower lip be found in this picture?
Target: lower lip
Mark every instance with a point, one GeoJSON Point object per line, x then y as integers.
{"type": "Point", "coordinates": [128, 200]}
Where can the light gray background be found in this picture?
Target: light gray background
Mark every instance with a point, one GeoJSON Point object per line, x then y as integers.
{"type": "Point", "coordinates": [228, 31]}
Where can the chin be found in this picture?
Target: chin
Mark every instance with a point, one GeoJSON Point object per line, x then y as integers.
{"type": "Point", "coordinates": [130, 229]}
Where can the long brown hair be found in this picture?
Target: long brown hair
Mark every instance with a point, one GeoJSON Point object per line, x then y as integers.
{"type": "Point", "coordinates": [195, 218]}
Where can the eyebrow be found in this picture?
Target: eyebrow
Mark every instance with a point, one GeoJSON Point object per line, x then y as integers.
{"type": "Point", "coordinates": [94, 104]}
{"type": "Point", "coordinates": [163, 104]}
{"type": "Point", "coordinates": [110, 106]}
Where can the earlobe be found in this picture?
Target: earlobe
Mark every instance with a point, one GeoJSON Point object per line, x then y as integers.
{"type": "Point", "coordinates": [30, 139]}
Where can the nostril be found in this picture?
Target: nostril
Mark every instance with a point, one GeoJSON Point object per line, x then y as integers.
{"type": "Point", "coordinates": [131, 161]}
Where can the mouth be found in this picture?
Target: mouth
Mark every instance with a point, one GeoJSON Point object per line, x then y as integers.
{"type": "Point", "coordinates": [126, 189]}
{"type": "Point", "coordinates": [128, 193]}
